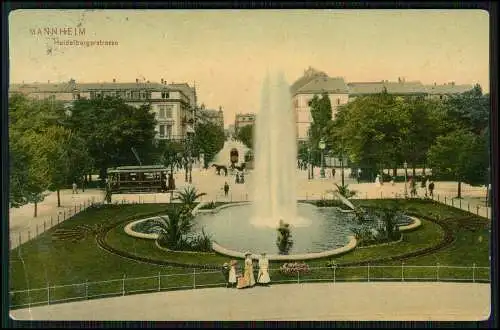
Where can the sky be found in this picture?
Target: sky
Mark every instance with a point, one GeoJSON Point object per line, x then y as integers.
{"type": "Point", "coordinates": [228, 52]}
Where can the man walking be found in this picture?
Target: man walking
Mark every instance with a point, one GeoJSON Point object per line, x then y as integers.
{"type": "Point", "coordinates": [431, 189]}
{"type": "Point", "coordinates": [226, 189]}
{"type": "Point", "coordinates": [75, 191]}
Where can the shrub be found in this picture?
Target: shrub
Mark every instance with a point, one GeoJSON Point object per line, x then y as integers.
{"type": "Point", "coordinates": [209, 206]}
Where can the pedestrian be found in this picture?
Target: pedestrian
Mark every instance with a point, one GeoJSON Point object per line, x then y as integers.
{"type": "Point", "coordinates": [358, 177]}
{"type": "Point", "coordinates": [333, 172]}
{"type": "Point", "coordinates": [75, 188]}
{"type": "Point", "coordinates": [413, 185]}
{"type": "Point", "coordinates": [225, 272]}
{"type": "Point", "coordinates": [263, 275]}
{"type": "Point", "coordinates": [242, 178]}
{"type": "Point", "coordinates": [237, 178]}
{"type": "Point", "coordinates": [431, 189]}
{"type": "Point", "coordinates": [226, 189]}
{"type": "Point", "coordinates": [232, 274]}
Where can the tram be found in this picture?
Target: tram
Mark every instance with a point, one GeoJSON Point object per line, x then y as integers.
{"type": "Point", "coordinates": [152, 178]}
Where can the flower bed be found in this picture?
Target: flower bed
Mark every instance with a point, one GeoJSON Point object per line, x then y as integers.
{"type": "Point", "coordinates": [292, 268]}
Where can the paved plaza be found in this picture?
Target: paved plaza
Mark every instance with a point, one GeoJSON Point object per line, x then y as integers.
{"type": "Point", "coordinates": [306, 302]}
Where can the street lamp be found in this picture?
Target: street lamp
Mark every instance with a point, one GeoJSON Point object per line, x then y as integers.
{"type": "Point", "coordinates": [322, 148]}
{"type": "Point", "coordinates": [189, 162]}
{"type": "Point", "coordinates": [342, 160]}
{"type": "Point", "coordinates": [406, 175]}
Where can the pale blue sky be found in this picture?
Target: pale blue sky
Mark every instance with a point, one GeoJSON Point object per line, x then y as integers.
{"type": "Point", "coordinates": [227, 52]}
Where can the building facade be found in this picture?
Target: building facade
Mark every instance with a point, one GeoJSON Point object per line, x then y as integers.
{"type": "Point", "coordinates": [204, 115]}
{"type": "Point", "coordinates": [314, 82]}
{"type": "Point", "coordinates": [173, 105]}
{"type": "Point", "coordinates": [242, 120]}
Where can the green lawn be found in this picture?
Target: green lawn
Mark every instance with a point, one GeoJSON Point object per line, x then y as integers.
{"type": "Point", "coordinates": [46, 260]}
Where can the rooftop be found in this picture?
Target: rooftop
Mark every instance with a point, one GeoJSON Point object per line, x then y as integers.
{"type": "Point", "coordinates": [324, 84]}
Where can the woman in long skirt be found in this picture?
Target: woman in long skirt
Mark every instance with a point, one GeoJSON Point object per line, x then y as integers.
{"type": "Point", "coordinates": [232, 273]}
{"type": "Point", "coordinates": [263, 276]}
{"type": "Point", "coordinates": [248, 279]}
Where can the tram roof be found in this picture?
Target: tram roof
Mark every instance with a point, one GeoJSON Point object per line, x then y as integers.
{"type": "Point", "coordinates": [130, 169]}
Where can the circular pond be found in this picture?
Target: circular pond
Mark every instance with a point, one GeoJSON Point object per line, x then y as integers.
{"type": "Point", "coordinates": [231, 227]}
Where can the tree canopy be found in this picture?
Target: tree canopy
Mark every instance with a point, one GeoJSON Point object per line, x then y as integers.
{"type": "Point", "coordinates": [208, 138]}
{"type": "Point", "coordinates": [245, 135]}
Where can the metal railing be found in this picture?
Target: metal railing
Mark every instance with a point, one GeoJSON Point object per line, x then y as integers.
{"type": "Point", "coordinates": [196, 279]}
{"type": "Point", "coordinates": [40, 227]}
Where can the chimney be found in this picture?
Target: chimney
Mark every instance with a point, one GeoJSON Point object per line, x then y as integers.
{"type": "Point", "coordinates": [162, 80]}
{"type": "Point", "coordinates": [136, 80]}
{"type": "Point", "coordinates": [114, 80]}
{"type": "Point", "coordinates": [399, 79]}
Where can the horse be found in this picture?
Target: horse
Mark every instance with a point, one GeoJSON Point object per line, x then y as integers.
{"type": "Point", "coordinates": [218, 168]}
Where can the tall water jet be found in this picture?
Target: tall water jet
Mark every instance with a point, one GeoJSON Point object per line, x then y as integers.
{"type": "Point", "coordinates": [275, 154]}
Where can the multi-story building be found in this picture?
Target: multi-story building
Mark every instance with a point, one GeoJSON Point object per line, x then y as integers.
{"type": "Point", "coordinates": [172, 104]}
{"type": "Point", "coordinates": [243, 119]}
{"type": "Point", "coordinates": [315, 82]}
{"type": "Point", "coordinates": [215, 117]}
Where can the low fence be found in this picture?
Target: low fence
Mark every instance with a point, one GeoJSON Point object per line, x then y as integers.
{"type": "Point", "coordinates": [195, 279]}
{"type": "Point", "coordinates": [18, 238]}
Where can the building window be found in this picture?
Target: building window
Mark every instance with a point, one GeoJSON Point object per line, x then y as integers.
{"type": "Point", "coordinates": [169, 131]}
{"type": "Point", "coordinates": [92, 95]}
{"type": "Point", "coordinates": [165, 111]}
{"type": "Point", "coordinates": [129, 94]}
{"type": "Point", "coordinates": [135, 95]}
{"type": "Point", "coordinates": [162, 131]}
{"type": "Point", "coordinates": [164, 95]}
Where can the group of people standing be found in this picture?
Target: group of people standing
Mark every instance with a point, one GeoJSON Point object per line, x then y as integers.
{"type": "Point", "coordinates": [246, 279]}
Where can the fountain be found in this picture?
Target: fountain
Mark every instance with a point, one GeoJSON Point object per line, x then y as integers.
{"type": "Point", "coordinates": [238, 227]}
{"type": "Point", "coordinates": [275, 153]}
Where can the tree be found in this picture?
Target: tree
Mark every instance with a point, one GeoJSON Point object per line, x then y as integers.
{"type": "Point", "coordinates": [423, 126]}
{"type": "Point", "coordinates": [111, 128]}
{"type": "Point", "coordinates": [67, 157]}
{"type": "Point", "coordinates": [210, 138]}
{"type": "Point", "coordinates": [321, 112]}
{"type": "Point", "coordinates": [167, 153]}
{"type": "Point", "coordinates": [370, 131]}
{"type": "Point", "coordinates": [173, 228]}
{"type": "Point", "coordinates": [189, 196]}
{"type": "Point", "coordinates": [469, 110]}
{"type": "Point", "coordinates": [461, 154]}
{"type": "Point", "coordinates": [29, 124]}
{"type": "Point", "coordinates": [245, 135]}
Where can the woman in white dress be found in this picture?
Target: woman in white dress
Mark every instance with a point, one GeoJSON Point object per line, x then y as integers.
{"type": "Point", "coordinates": [232, 273]}
{"type": "Point", "coordinates": [249, 276]}
{"type": "Point", "coordinates": [263, 277]}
